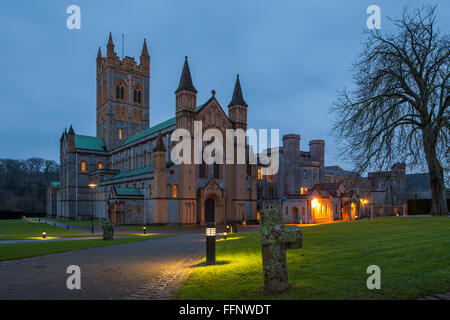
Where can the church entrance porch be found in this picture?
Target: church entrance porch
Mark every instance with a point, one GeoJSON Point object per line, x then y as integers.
{"type": "Point", "coordinates": [211, 204]}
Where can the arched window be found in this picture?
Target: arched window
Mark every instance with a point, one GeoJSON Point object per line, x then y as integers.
{"type": "Point", "coordinates": [174, 191]}
{"type": "Point", "coordinates": [145, 158]}
{"type": "Point", "coordinates": [135, 95]}
{"type": "Point", "coordinates": [122, 93]}
{"type": "Point", "coordinates": [137, 161]}
{"type": "Point", "coordinates": [117, 92]}
{"type": "Point", "coordinates": [100, 166]}
{"type": "Point", "coordinates": [216, 171]}
{"type": "Point", "coordinates": [120, 134]}
{"type": "Point", "coordinates": [149, 190]}
{"type": "Point", "coordinates": [139, 96]}
{"type": "Point", "coordinates": [83, 166]}
{"type": "Point", "coordinates": [129, 162]}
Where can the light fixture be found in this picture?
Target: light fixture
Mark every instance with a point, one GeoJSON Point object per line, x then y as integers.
{"type": "Point", "coordinates": [210, 243]}
{"type": "Point", "coordinates": [225, 235]}
{"type": "Point", "coordinates": [44, 234]}
{"type": "Point", "coordinates": [144, 229]}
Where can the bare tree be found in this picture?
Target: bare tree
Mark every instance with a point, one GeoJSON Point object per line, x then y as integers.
{"type": "Point", "coordinates": [399, 107]}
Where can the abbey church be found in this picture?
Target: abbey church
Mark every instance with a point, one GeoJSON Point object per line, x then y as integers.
{"type": "Point", "coordinates": [125, 174]}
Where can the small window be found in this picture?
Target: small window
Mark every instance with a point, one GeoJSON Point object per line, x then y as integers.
{"type": "Point", "coordinates": [100, 166]}
{"type": "Point", "coordinates": [83, 166]}
{"type": "Point", "coordinates": [149, 190]}
{"type": "Point", "coordinates": [139, 96]}
{"type": "Point", "coordinates": [122, 93]}
{"type": "Point", "coordinates": [260, 176]}
{"type": "Point", "coordinates": [117, 92]}
{"type": "Point", "coordinates": [174, 191]}
{"type": "Point", "coordinates": [120, 134]}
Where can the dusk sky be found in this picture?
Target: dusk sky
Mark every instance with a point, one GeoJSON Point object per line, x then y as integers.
{"type": "Point", "coordinates": [292, 57]}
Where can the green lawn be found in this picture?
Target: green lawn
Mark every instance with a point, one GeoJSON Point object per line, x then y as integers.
{"type": "Point", "coordinates": [82, 223]}
{"type": "Point", "coordinates": [24, 227]}
{"type": "Point", "coordinates": [413, 254]}
{"type": "Point", "coordinates": [31, 249]}
{"type": "Point", "coordinates": [156, 228]}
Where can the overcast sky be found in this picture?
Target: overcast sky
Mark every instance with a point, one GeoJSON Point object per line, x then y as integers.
{"type": "Point", "coordinates": [292, 57]}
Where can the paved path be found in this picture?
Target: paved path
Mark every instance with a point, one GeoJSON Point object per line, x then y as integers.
{"type": "Point", "coordinates": [139, 270]}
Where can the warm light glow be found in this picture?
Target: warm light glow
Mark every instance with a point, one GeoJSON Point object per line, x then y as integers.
{"type": "Point", "coordinates": [92, 185]}
{"type": "Point", "coordinates": [83, 166]}
{"type": "Point", "coordinates": [100, 166]}
{"type": "Point", "coordinates": [174, 191]}
{"type": "Point", "coordinates": [120, 134]}
{"type": "Point", "coordinates": [44, 234]}
{"type": "Point", "coordinates": [260, 176]}
{"type": "Point", "coordinates": [315, 203]}
{"type": "Point", "coordinates": [210, 232]}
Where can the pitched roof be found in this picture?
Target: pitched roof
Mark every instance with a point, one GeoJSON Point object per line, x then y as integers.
{"type": "Point", "coordinates": [160, 126]}
{"type": "Point", "coordinates": [149, 131]}
{"type": "Point", "coordinates": [135, 172]}
{"type": "Point", "coordinates": [338, 171]}
{"type": "Point", "coordinates": [159, 146]}
{"type": "Point", "coordinates": [128, 192]}
{"type": "Point", "coordinates": [186, 79]}
{"type": "Point", "coordinates": [238, 99]}
{"type": "Point", "coordinates": [90, 143]}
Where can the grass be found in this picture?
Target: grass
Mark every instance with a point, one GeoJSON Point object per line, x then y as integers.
{"type": "Point", "coordinates": [413, 254]}
{"type": "Point", "coordinates": [31, 249]}
{"type": "Point", "coordinates": [23, 227]}
{"type": "Point", "coordinates": [156, 228]}
{"type": "Point", "coordinates": [81, 223]}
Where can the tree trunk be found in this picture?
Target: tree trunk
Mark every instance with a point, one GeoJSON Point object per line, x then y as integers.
{"type": "Point", "coordinates": [436, 173]}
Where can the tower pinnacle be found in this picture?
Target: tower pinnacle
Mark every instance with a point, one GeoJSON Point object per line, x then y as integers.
{"type": "Point", "coordinates": [186, 80]}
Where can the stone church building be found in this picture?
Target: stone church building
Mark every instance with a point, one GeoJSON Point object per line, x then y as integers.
{"type": "Point", "coordinates": [128, 163]}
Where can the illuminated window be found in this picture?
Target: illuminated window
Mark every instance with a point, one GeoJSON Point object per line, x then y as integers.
{"type": "Point", "coordinates": [100, 166]}
{"type": "Point", "coordinates": [174, 191]}
{"type": "Point", "coordinates": [120, 134]}
{"type": "Point", "coordinates": [83, 166]}
{"type": "Point", "coordinates": [260, 176]}
{"type": "Point", "coordinates": [303, 190]}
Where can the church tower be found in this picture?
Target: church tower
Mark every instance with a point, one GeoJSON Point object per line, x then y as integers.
{"type": "Point", "coordinates": [123, 95]}
{"type": "Point", "coordinates": [186, 111]}
{"type": "Point", "coordinates": [237, 174]}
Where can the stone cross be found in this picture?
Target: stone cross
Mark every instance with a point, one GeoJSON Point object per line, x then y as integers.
{"type": "Point", "coordinates": [108, 231]}
{"type": "Point", "coordinates": [275, 239]}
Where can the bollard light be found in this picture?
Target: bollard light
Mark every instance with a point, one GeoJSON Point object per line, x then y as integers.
{"type": "Point", "coordinates": [228, 229]}
{"type": "Point", "coordinates": [44, 235]}
{"type": "Point", "coordinates": [225, 235]}
{"type": "Point", "coordinates": [210, 243]}
{"type": "Point", "coordinates": [144, 229]}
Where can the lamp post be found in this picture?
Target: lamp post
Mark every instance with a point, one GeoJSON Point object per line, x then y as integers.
{"type": "Point", "coordinates": [210, 243]}
{"type": "Point", "coordinates": [144, 229]}
{"type": "Point", "coordinates": [92, 186]}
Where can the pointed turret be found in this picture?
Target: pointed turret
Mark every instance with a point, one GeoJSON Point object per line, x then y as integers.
{"type": "Point", "coordinates": [71, 131]}
{"type": "Point", "coordinates": [238, 99]}
{"type": "Point", "coordinates": [99, 54]}
{"type": "Point", "coordinates": [186, 80]}
{"type": "Point", "coordinates": [110, 46]}
{"type": "Point", "coordinates": [159, 146]}
{"type": "Point", "coordinates": [144, 52]}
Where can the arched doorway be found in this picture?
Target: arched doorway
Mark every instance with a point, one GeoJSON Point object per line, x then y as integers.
{"type": "Point", "coordinates": [209, 210]}
{"type": "Point", "coordinates": [295, 214]}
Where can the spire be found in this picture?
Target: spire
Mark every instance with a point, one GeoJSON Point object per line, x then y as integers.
{"type": "Point", "coordinates": [71, 131]}
{"type": "Point", "coordinates": [159, 146]}
{"type": "Point", "coordinates": [144, 52]}
{"type": "Point", "coordinates": [186, 80]}
{"type": "Point", "coordinates": [110, 46]}
{"type": "Point", "coordinates": [99, 54]}
{"type": "Point", "coordinates": [238, 99]}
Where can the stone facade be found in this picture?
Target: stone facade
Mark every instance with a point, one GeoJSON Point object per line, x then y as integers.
{"type": "Point", "coordinates": [129, 162]}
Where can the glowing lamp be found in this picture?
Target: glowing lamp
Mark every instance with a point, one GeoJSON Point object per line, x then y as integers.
{"type": "Point", "coordinates": [44, 235]}
{"type": "Point", "coordinates": [225, 235]}
{"type": "Point", "coordinates": [144, 229]}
